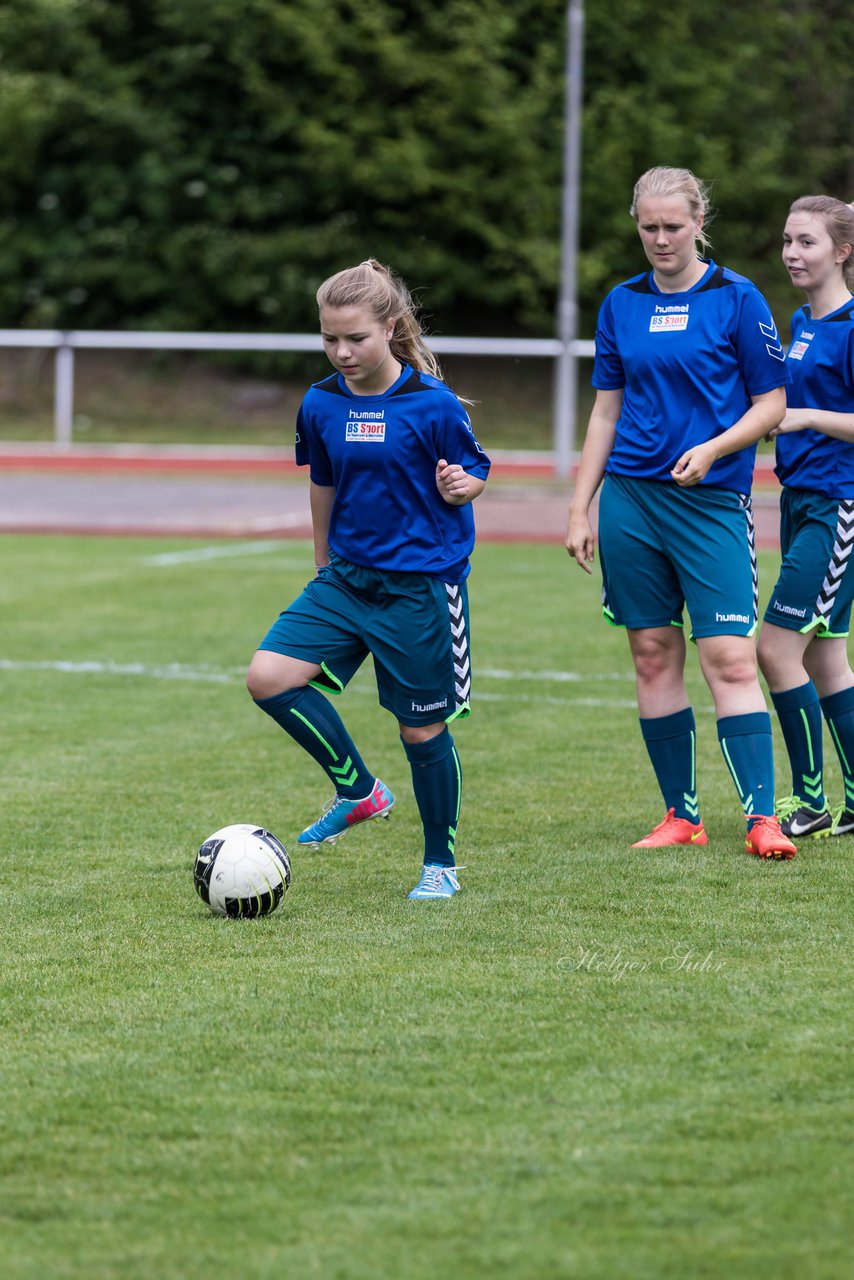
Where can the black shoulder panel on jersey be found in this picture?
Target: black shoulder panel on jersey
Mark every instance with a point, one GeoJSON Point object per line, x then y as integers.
{"type": "Point", "coordinates": [644, 283]}
{"type": "Point", "coordinates": [412, 383]}
{"type": "Point", "coordinates": [641, 285]}
{"type": "Point", "coordinates": [845, 315]}
{"type": "Point", "coordinates": [330, 384]}
{"type": "Point", "coordinates": [716, 281]}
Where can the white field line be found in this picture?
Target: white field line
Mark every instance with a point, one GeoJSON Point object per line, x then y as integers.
{"type": "Point", "coordinates": [212, 675]}
{"type": "Point", "coordinates": [550, 677]}
{"type": "Point", "coordinates": [177, 671]}
{"type": "Point", "coordinates": [293, 521]}
{"type": "Point", "coordinates": [170, 671]}
{"type": "Point", "coordinates": [230, 550]}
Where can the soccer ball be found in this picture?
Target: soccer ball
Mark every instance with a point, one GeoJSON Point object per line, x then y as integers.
{"type": "Point", "coordinates": [242, 871]}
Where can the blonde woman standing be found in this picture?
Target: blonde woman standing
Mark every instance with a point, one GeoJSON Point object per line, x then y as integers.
{"type": "Point", "coordinates": [689, 375]}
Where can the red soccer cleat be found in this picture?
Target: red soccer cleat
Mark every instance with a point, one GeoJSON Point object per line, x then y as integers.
{"type": "Point", "coordinates": [673, 830]}
{"type": "Point", "coordinates": [766, 840]}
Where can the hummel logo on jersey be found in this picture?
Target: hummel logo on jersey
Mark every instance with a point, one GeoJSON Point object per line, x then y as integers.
{"type": "Point", "coordinates": [366, 424]}
{"type": "Point", "coordinates": [774, 347]}
{"type": "Point", "coordinates": [667, 319]}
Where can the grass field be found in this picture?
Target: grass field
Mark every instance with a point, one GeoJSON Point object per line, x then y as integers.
{"type": "Point", "coordinates": [593, 1063]}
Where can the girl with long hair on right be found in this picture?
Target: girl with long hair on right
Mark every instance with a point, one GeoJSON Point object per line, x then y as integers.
{"type": "Point", "coordinates": [803, 645]}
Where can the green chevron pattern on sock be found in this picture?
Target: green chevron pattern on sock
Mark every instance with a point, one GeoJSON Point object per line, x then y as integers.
{"type": "Point", "coordinates": [311, 720]}
{"type": "Point", "coordinates": [671, 743]}
{"type": "Point", "coordinates": [799, 713]}
{"type": "Point", "coordinates": [345, 774]}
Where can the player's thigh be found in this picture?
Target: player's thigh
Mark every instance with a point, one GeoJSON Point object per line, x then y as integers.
{"type": "Point", "coordinates": [640, 589]}
{"type": "Point", "coordinates": [828, 665]}
{"type": "Point", "coordinates": [271, 673]}
{"type": "Point", "coordinates": [322, 627]}
{"type": "Point", "coordinates": [420, 644]}
{"type": "Point", "coordinates": [714, 550]}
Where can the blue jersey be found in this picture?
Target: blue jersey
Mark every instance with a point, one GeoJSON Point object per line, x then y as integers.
{"type": "Point", "coordinates": [379, 453]}
{"type": "Point", "coordinates": [821, 367]}
{"type": "Point", "coordinates": [688, 365]}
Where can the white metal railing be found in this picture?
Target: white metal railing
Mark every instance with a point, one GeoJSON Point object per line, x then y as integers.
{"type": "Point", "coordinates": [66, 341]}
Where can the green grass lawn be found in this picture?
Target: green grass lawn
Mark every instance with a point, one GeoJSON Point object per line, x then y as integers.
{"type": "Point", "coordinates": [593, 1062]}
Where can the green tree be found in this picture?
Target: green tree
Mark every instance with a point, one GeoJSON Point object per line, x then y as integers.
{"type": "Point", "coordinates": [756, 98]}
{"type": "Point", "coordinates": [199, 164]}
{"type": "Point", "coordinates": [203, 164]}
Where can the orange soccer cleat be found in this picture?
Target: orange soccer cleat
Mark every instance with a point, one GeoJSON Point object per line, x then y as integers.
{"type": "Point", "coordinates": [766, 840]}
{"type": "Point", "coordinates": [673, 830]}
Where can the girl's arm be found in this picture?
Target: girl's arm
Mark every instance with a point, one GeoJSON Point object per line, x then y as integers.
{"type": "Point", "coordinates": [838, 425]}
{"type": "Point", "coordinates": [764, 414]}
{"type": "Point", "coordinates": [594, 457]}
{"type": "Point", "coordinates": [321, 498]}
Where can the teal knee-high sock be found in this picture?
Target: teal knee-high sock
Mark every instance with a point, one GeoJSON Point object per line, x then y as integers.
{"type": "Point", "coordinates": [671, 742]}
{"type": "Point", "coordinates": [799, 713]}
{"type": "Point", "coordinates": [838, 711]}
{"type": "Point", "coordinates": [313, 722]}
{"type": "Point", "coordinates": [437, 781]}
{"type": "Point", "coordinates": [747, 748]}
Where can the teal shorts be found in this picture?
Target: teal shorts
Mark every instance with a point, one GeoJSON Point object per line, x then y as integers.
{"type": "Point", "coordinates": [815, 588]}
{"type": "Point", "coordinates": [415, 627]}
{"type": "Point", "coordinates": [664, 549]}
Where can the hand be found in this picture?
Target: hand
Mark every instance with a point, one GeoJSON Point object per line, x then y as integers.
{"type": "Point", "coordinates": [453, 483]}
{"type": "Point", "coordinates": [580, 542]}
{"type": "Point", "coordinates": [694, 464]}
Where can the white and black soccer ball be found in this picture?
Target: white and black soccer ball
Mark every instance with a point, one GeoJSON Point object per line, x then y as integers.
{"type": "Point", "coordinates": [242, 871]}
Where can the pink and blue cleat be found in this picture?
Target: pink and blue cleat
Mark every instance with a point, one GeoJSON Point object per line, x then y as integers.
{"type": "Point", "coordinates": [341, 814]}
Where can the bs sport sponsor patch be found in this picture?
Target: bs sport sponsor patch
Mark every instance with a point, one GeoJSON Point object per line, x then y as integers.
{"type": "Point", "coordinates": [668, 319]}
{"type": "Point", "coordinates": [367, 425]}
{"type": "Point", "coordinates": [800, 348]}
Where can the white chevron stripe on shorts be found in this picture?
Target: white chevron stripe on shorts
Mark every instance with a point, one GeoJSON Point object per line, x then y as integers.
{"type": "Point", "coordinates": [747, 508]}
{"type": "Point", "coordinates": [842, 546]}
{"type": "Point", "coordinates": [460, 643]}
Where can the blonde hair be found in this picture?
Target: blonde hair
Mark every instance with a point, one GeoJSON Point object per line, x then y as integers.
{"type": "Point", "coordinates": [664, 182]}
{"type": "Point", "coordinates": [378, 288]}
{"type": "Point", "coordinates": [838, 219]}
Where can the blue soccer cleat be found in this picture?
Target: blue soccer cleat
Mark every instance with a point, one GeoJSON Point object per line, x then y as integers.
{"type": "Point", "coordinates": [436, 882]}
{"type": "Point", "coordinates": [340, 815]}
